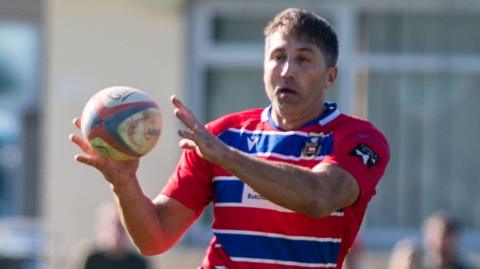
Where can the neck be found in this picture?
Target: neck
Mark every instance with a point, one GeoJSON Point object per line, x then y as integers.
{"type": "Point", "coordinates": [294, 121]}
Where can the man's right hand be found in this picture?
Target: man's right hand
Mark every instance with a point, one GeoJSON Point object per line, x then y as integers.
{"type": "Point", "coordinates": [154, 226]}
{"type": "Point", "coordinates": [117, 173]}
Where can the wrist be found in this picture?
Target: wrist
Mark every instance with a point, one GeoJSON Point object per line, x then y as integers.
{"type": "Point", "coordinates": [126, 187]}
{"type": "Point", "coordinates": [228, 159]}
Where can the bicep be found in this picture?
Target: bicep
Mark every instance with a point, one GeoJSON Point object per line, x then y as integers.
{"type": "Point", "coordinates": [343, 189]}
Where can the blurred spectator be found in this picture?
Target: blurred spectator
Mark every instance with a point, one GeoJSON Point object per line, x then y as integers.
{"type": "Point", "coordinates": [112, 249]}
{"type": "Point", "coordinates": [405, 255]}
{"type": "Point", "coordinates": [355, 256]}
{"type": "Point", "coordinates": [440, 240]}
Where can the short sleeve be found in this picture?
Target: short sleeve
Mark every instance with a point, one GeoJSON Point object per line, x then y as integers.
{"type": "Point", "coordinates": [364, 154]}
{"type": "Point", "coordinates": [190, 184]}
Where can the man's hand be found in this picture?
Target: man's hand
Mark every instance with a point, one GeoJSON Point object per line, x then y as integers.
{"type": "Point", "coordinates": [115, 172]}
{"type": "Point", "coordinates": [197, 137]}
{"type": "Point", "coordinates": [154, 226]}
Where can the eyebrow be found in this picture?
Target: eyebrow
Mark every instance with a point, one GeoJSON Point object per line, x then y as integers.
{"type": "Point", "coordinates": [302, 49]}
{"type": "Point", "coordinates": [305, 49]}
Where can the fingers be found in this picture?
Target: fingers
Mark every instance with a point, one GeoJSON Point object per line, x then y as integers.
{"type": "Point", "coordinates": [81, 144]}
{"type": "Point", "coordinates": [176, 102]}
{"type": "Point", "coordinates": [91, 159]}
{"type": "Point", "coordinates": [184, 114]}
{"type": "Point", "coordinates": [76, 122]}
{"type": "Point", "coordinates": [185, 134]}
{"type": "Point", "coordinates": [187, 144]}
{"type": "Point", "coordinates": [88, 160]}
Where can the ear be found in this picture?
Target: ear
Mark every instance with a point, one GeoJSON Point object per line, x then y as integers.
{"type": "Point", "coordinates": [331, 76]}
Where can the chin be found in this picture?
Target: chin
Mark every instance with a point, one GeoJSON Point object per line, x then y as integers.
{"type": "Point", "coordinates": [287, 109]}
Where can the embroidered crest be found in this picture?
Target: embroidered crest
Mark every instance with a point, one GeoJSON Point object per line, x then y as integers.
{"type": "Point", "coordinates": [366, 154]}
{"type": "Point", "coordinates": [312, 148]}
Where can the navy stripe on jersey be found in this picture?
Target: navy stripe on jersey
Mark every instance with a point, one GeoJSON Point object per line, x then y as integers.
{"type": "Point", "coordinates": [280, 144]}
{"type": "Point", "coordinates": [232, 192]}
{"type": "Point", "coordinates": [279, 249]}
{"type": "Point", "coordinates": [228, 191]}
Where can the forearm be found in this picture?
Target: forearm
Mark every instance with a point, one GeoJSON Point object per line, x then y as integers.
{"type": "Point", "coordinates": [296, 188]}
{"type": "Point", "coordinates": [315, 192]}
{"type": "Point", "coordinates": [154, 226]}
{"type": "Point", "coordinates": [139, 216]}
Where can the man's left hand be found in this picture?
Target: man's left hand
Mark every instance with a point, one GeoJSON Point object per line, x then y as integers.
{"type": "Point", "coordinates": [196, 136]}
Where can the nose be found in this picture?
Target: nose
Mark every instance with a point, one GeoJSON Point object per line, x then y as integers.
{"type": "Point", "coordinates": [288, 69]}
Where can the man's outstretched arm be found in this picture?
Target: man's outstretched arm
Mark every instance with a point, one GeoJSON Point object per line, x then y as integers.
{"type": "Point", "coordinates": [315, 192]}
{"type": "Point", "coordinates": [154, 226]}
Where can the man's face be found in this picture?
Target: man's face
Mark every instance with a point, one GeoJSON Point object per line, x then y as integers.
{"type": "Point", "coordinates": [295, 76]}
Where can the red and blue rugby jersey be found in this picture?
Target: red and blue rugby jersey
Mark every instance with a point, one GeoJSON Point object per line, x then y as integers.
{"type": "Point", "coordinates": [252, 232]}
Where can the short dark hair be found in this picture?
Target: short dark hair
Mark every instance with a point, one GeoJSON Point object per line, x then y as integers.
{"type": "Point", "coordinates": [309, 26]}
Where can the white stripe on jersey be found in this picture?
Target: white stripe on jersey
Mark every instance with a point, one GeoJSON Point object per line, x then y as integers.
{"type": "Point", "coordinates": [279, 133]}
{"type": "Point", "coordinates": [287, 157]}
{"type": "Point", "coordinates": [312, 265]}
{"type": "Point", "coordinates": [329, 118]}
{"type": "Point", "coordinates": [249, 201]}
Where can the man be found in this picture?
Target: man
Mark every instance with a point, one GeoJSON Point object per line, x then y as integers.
{"type": "Point", "coordinates": [440, 240]}
{"type": "Point", "coordinates": [112, 249]}
{"type": "Point", "coordinates": [289, 183]}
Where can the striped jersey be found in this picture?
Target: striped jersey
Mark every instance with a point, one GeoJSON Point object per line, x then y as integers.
{"type": "Point", "coordinates": [252, 232]}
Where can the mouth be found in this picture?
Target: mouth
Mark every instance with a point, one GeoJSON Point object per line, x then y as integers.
{"type": "Point", "coordinates": [285, 91]}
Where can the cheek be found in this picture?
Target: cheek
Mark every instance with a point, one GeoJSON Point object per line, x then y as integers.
{"type": "Point", "coordinates": [269, 73]}
{"type": "Point", "coordinates": [313, 81]}
{"type": "Point", "coordinates": [267, 81]}
{"type": "Point", "coordinates": [268, 69]}
{"type": "Point", "coordinates": [266, 77]}
{"type": "Point", "coordinates": [324, 81]}
{"type": "Point", "coordinates": [272, 67]}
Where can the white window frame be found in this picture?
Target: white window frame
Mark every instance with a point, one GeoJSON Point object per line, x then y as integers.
{"type": "Point", "coordinates": [381, 238]}
{"type": "Point", "coordinates": [205, 53]}
{"type": "Point", "coordinates": [353, 65]}
{"type": "Point", "coordinates": [16, 105]}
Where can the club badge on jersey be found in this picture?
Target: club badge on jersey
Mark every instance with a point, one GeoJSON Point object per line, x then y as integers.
{"type": "Point", "coordinates": [312, 148]}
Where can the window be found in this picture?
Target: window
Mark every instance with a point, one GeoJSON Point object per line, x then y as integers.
{"type": "Point", "coordinates": [431, 33]}
{"type": "Point", "coordinates": [20, 140]}
{"type": "Point", "coordinates": [428, 118]}
{"type": "Point", "coordinates": [18, 64]}
{"type": "Point", "coordinates": [234, 89]}
{"type": "Point", "coordinates": [423, 72]}
{"type": "Point", "coordinates": [227, 54]}
{"type": "Point", "coordinates": [10, 162]}
{"type": "Point", "coordinates": [413, 74]}
{"type": "Point", "coordinates": [19, 125]}
{"type": "Point", "coordinates": [226, 64]}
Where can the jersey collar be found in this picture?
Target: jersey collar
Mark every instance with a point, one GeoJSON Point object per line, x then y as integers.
{"type": "Point", "coordinates": [331, 112]}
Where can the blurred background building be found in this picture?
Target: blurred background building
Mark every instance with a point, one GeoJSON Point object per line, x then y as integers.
{"type": "Point", "coordinates": [412, 67]}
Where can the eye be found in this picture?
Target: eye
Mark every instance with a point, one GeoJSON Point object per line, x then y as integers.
{"type": "Point", "coordinates": [279, 57]}
{"type": "Point", "coordinates": [303, 59]}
